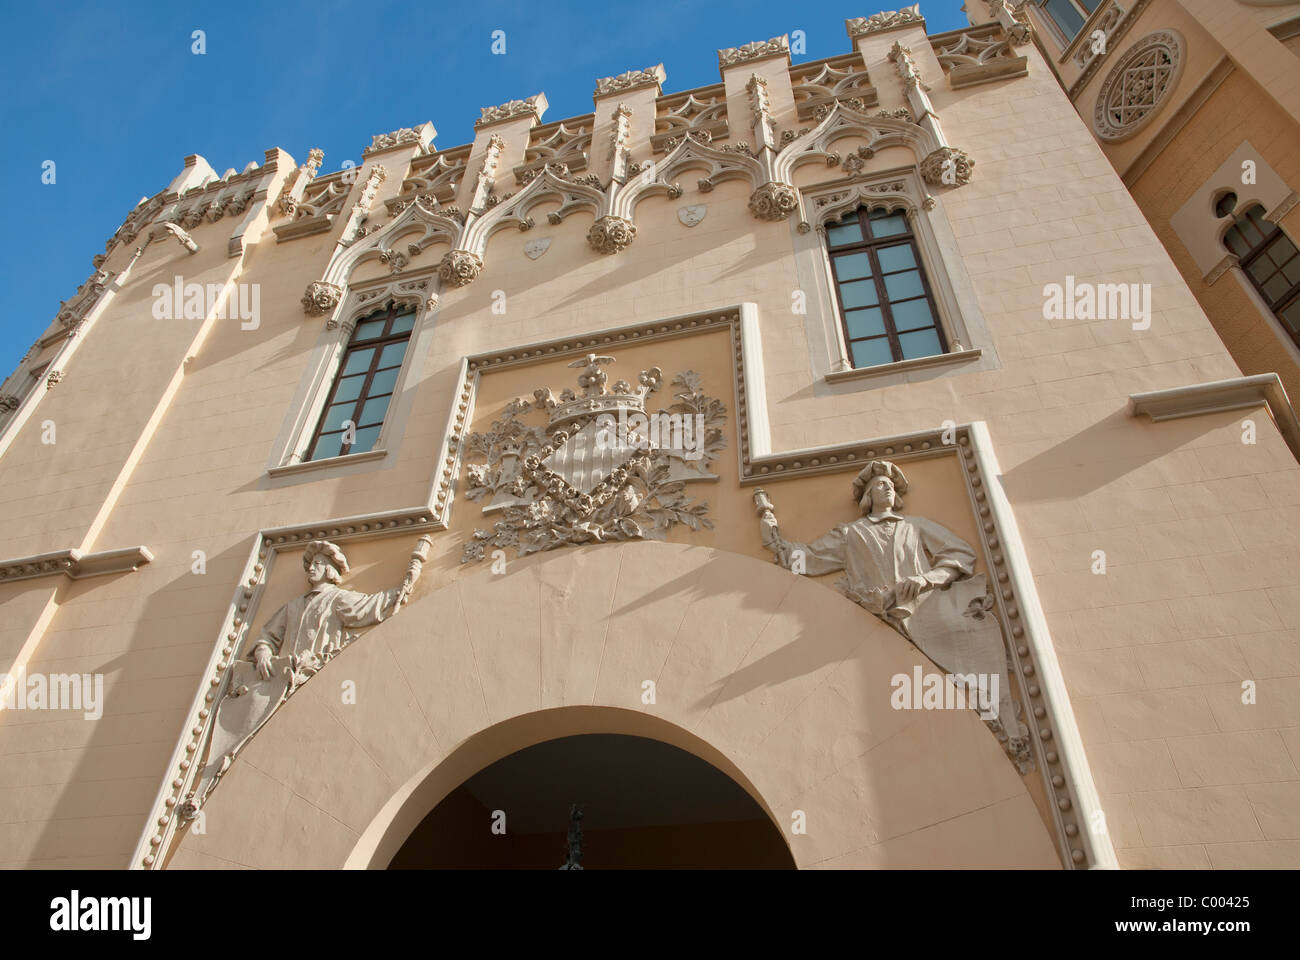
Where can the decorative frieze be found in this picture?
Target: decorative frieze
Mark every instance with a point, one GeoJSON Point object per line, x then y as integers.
{"type": "Point", "coordinates": [758, 50]}
{"type": "Point", "coordinates": [611, 234]}
{"type": "Point", "coordinates": [698, 114]}
{"type": "Point", "coordinates": [421, 135]}
{"type": "Point", "coordinates": [977, 56]}
{"type": "Point", "coordinates": [534, 106]}
{"type": "Point", "coordinates": [888, 20]}
{"type": "Point", "coordinates": [631, 80]}
{"type": "Point", "coordinates": [819, 87]}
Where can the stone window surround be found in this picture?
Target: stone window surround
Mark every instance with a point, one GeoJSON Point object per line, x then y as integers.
{"type": "Point", "coordinates": [959, 314]}
{"type": "Point", "coordinates": [358, 300]}
{"type": "Point", "coordinates": [1201, 232]}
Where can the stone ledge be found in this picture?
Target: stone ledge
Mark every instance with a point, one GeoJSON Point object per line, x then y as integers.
{"type": "Point", "coordinates": [307, 466]}
{"type": "Point", "coordinates": [75, 563]}
{"type": "Point", "coordinates": [899, 366]}
{"type": "Point", "coordinates": [1220, 396]}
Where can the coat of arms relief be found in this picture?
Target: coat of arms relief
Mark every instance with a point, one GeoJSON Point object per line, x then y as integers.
{"type": "Point", "coordinates": [594, 465]}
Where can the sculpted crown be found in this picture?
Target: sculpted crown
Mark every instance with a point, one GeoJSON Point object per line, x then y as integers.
{"type": "Point", "coordinates": [596, 397]}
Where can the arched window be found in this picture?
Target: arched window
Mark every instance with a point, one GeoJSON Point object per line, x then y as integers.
{"type": "Point", "coordinates": [354, 415]}
{"type": "Point", "coordinates": [884, 296]}
{"type": "Point", "coordinates": [1271, 262]}
{"type": "Point", "coordinates": [1069, 15]}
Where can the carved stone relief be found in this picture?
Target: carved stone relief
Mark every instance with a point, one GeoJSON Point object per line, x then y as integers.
{"type": "Point", "coordinates": [601, 467]}
{"type": "Point", "coordinates": [320, 298]}
{"type": "Point", "coordinates": [295, 644]}
{"type": "Point", "coordinates": [919, 578]}
{"type": "Point", "coordinates": [692, 213]}
{"type": "Point", "coordinates": [887, 20]}
{"type": "Point", "coordinates": [1138, 84]}
{"type": "Point", "coordinates": [536, 247]}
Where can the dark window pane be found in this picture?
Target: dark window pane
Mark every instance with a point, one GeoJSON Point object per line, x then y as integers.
{"type": "Point", "coordinates": [865, 323]}
{"type": "Point", "coordinates": [871, 353]}
{"type": "Point", "coordinates": [912, 314]}
{"type": "Point", "coordinates": [392, 355]}
{"type": "Point", "coordinates": [1236, 242]}
{"type": "Point", "coordinates": [852, 266]}
{"type": "Point", "coordinates": [904, 286]}
{"type": "Point", "coordinates": [336, 415]}
{"type": "Point", "coordinates": [1281, 249]}
{"type": "Point", "coordinates": [1226, 204]}
{"type": "Point", "coordinates": [328, 445]}
{"type": "Point", "coordinates": [365, 440]}
{"type": "Point", "coordinates": [1261, 269]}
{"type": "Point", "coordinates": [859, 293]}
{"type": "Point", "coordinates": [896, 258]}
{"type": "Point", "coordinates": [403, 323]}
{"type": "Point", "coordinates": [888, 224]}
{"type": "Point", "coordinates": [1069, 19]}
{"type": "Point", "coordinates": [368, 330]}
{"type": "Point", "coordinates": [1276, 287]}
{"type": "Point", "coordinates": [922, 343]}
{"type": "Point", "coordinates": [373, 411]}
{"type": "Point", "coordinates": [1290, 315]}
{"type": "Point", "coordinates": [841, 233]}
{"type": "Point", "coordinates": [384, 381]}
{"type": "Point", "coordinates": [1292, 270]}
{"type": "Point", "coordinates": [349, 388]}
{"type": "Point", "coordinates": [358, 361]}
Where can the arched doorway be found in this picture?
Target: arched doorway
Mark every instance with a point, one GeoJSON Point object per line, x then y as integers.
{"type": "Point", "coordinates": [645, 804]}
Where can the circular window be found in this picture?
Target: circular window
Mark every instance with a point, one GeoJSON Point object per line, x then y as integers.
{"type": "Point", "coordinates": [1137, 85]}
{"type": "Point", "coordinates": [1226, 203]}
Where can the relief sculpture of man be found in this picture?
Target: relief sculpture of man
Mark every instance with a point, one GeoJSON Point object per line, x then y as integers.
{"type": "Point", "coordinates": [918, 577]}
{"type": "Point", "coordinates": [292, 647]}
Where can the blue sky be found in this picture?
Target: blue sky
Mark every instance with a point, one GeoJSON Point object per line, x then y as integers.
{"type": "Point", "coordinates": [115, 97]}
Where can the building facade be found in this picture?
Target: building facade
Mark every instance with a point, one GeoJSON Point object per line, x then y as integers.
{"type": "Point", "coordinates": [853, 463]}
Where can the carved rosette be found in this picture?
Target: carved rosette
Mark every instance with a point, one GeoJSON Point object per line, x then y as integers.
{"type": "Point", "coordinates": [55, 377]}
{"type": "Point", "coordinates": [611, 234]}
{"type": "Point", "coordinates": [460, 267]}
{"type": "Point", "coordinates": [773, 201]}
{"type": "Point", "coordinates": [947, 166]}
{"type": "Point", "coordinates": [320, 298]}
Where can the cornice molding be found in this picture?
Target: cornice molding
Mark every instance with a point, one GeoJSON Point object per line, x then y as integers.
{"type": "Point", "coordinates": [631, 80]}
{"type": "Point", "coordinates": [887, 20]}
{"type": "Point", "coordinates": [1220, 396]}
{"type": "Point", "coordinates": [75, 564]}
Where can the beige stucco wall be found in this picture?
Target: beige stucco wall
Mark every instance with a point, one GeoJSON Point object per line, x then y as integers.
{"type": "Point", "coordinates": [1195, 524]}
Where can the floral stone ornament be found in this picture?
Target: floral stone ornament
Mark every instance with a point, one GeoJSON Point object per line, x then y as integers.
{"type": "Point", "coordinates": [595, 465]}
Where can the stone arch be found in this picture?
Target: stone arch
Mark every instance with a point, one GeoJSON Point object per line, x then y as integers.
{"type": "Point", "coordinates": [776, 680]}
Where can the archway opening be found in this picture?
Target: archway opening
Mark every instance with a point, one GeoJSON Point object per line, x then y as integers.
{"type": "Point", "coordinates": [645, 805]}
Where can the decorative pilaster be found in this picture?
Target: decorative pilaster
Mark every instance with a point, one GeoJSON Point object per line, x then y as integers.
{"type": "Point", "coordinates": [760, 106]}
{"type": "Point", "coordinates": [1015, 22]}
{"type": "Point", "coordinates": [620, 142]}
{"type": "Point", "coordinates": [487, 174]}
{"type": "Point", "coordinates": [353, 230]}
{"type": "Point", "coordinates": [296, 184]}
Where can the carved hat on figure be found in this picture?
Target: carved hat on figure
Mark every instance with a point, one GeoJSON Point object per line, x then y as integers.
{"type": "Point", "coordinates": [329, 551]}
{"type": "Point", "coordinates": [880, 468]}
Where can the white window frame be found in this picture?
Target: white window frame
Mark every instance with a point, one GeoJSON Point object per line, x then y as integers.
{"type": "Point", "coordinates": [417, 290]}
{"type": "Point", "coordinates": [901, 188]}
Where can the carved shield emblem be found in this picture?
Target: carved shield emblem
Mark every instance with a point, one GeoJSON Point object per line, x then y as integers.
{"type": "Point", "coordinates": [691, 214]}
{"type": "Point", "coordinates": [536, 247]}
{"type": "Point", "coordinates": [593, 465]}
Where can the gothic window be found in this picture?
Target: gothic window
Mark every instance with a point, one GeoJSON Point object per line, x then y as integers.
{"type": "Point", "coordinates": [1270, 261]}
{"type": "Point", "coordinates": [886, 304]}
{"type": "Point", "coordinates": [1069, 15]}
{"type": "Point", "coordinates": [363, 387]}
